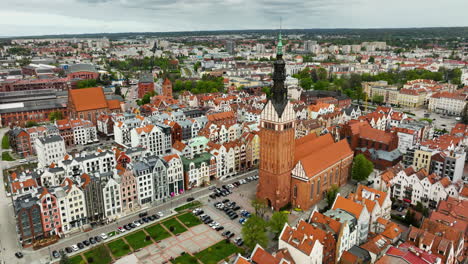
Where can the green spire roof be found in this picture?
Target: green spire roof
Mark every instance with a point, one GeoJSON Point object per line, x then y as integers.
{"type": "Point", "coordinates": [279, 49]}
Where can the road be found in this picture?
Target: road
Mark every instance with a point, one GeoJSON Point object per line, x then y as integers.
{"type": "Point", "coordinates": [8, 240]}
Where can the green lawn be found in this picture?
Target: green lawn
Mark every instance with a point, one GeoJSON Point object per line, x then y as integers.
{"type": "Point", "coordinates": [188, 205]}
{"type": "Point", "coordinates": [177, 228]}
{"type": "Point", "coordinates": [119, 248]}
{"type": "Point", "coordinates": [189, 219]}
{"type": "Point", "coordinates": [217, 252]}
{"type": "Point", "coordinates": [76, 260]}
{"type": "Point", "coordinates": [99, 255]}
{"type": "Point", "coordinates": [138, 240]}
{"type": "Point", "coordinates": [157, 232]}
{"type": "Point", "coordinates": [5, 142]}
{"type": "Point", "coordinates": [7, 157]}
{"type": "Point", "coordinates": [185, 259]}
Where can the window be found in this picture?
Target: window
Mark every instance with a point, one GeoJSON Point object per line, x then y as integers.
{"type": "Point", "coordinates": [295, 191]}
{"type": "Point", "coordinates": [312, 187]}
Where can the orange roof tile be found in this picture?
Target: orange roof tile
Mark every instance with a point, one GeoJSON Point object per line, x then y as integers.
{"type": "Point", "coordinates": [348, 205]}
{"type": "Point", "coordinates": [113, 104]}
{"type": "Point", "coordinates": [88, 98]}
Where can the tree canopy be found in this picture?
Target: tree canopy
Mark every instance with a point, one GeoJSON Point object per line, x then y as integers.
{"type": "Point", "coordinates": [55, 115]}
{"type": "Point", "coordinates": [86, 83]}
{"type": "Point", "coordinates": [331, 195]}
{"type": "Point", "coordinates": [277, 221]}
{"type": "Point", "coordinates": [254, 231]}
{"type": "Point", "coordinates": [362, 168]}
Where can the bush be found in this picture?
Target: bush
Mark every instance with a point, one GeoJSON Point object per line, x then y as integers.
{"type": "Point", "coordinates": [90, 260]}
{"type": "Point", "coordinates": [5, 142]}
{"type": "Point", "coordinates": [148, 238]}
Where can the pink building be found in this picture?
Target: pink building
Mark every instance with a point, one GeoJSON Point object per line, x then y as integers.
{"type": "Point", "coordinates": [128, 190]}
{"type": "Point", "coordinates": [50, 213]}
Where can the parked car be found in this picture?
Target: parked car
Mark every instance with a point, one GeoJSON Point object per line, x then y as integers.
{"type": "Point", "coordinates": [19, 255]}
{"type": "Point", "coordinates": [75, 247]}
{"type": "Point", "coordinates": [219, 228]}
{"type": "Point", "coordinates": [98, 238]}
{"type": "Point", "coordinates": [68, 250]}
{"type": "Point", "coordinates": [86, 242]}
{"type": "Point", "coordinates": [55, 254]}
{"type": "Point", "coordinates": [132, 225]}
{"type": "Point", "coordinates": [190, 199]}
{"type": "Point", "coordinates": [92, 240]}
{"type": "Point", "coordinates": [160, 214]}
{"type": "Point", "coordinates": [143, 214]}
{"type": "Point", "coordinates": [80, 245]}
{"type": "Point", "coordinates": [136, 223]}
{"type": "Point", "coordinates": [121, 229]}
{"type": "Point", "coordinates": [226, 233]}
{"type": "Point", "coordinates": [103, 236]}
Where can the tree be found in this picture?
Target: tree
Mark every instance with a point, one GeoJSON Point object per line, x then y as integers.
{"type": "Point", "coordinates": [55, 115]}
{"type": "Point", "coordinates": [86, 83]}
{"type": "Point", "coordinates": [276, 223]}
{"type": "Point", "coordinates": [322, 74]}
{"type": "Point", "coordinates": [31, 124]}
{"type": "Point", "coordinates": [371, 59]}
{"type": "Point", "coordinates": [362, 168]}
{"type": "Point", "coordinates": [64, 259]}
{"type": "Point", "coordinates": [24, 61]}
{"type": "Point", "coordinates": [465, 115]}
{"type": "Point", "coordinates": [259, 205]}
{"type": "Point", "coordinates": [196, 66]}
{"type": "Point", "coordinates": [306, 83]}
{"type": "Point", "coordinates": [254, 232]}
{"type": "Point", "coordinates": [378, 99]}
{"type": "Point", "coordinates": [331, 195]}
{"type": "Point", "coordinates": [267, 91]}
{"type": "Point", "coordinates": [118, 90]}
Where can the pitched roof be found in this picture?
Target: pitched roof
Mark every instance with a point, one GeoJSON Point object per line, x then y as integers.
{"type": "Point", "coordinates": [348, 205]}
{"type": "Point", "coordinates": [88, 98]}
{"type": "Point", "coordinates": [322, 154]}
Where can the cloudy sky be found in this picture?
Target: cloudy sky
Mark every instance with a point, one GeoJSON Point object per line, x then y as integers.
{"type": "Point", "coordinates": [38, 17]}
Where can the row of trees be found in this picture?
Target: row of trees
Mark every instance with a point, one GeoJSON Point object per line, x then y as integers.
{"type": "Point", "coordinates": [134, 64]}
{"type": "Point", "coordinates": [208, 84]}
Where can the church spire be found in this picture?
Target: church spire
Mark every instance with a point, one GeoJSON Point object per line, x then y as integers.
{"type": "Point", "coordinates": [278, 91]}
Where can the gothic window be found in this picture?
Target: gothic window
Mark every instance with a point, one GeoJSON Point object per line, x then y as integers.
{"type": "Point", "coordinates": [295, 191]}
{"type": "Point", "coordinates": [312, 187]}
{"type": "Point", "coordinates": [318, 186]}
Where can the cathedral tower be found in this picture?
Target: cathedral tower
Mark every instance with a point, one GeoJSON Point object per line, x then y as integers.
{"type": "Point", "coordinates": [277, 122]}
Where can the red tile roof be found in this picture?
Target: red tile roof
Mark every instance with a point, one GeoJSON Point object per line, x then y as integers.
{"type": "Point", "coordinates": [88, 98]}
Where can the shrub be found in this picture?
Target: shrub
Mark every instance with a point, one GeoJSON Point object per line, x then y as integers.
{"type": "Point", "coordinates": [90, 260]}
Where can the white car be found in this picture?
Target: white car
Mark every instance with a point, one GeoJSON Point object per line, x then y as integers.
{"type": "Point", "coordinates": [160, 214]}
{"type": "Point", "coordinates": [136, 223]}
{"type": "Point", "coordinates": [121, 229]}
{"type": "Point", "coordinates": [75, 247]}
{"type": "Point", "coordinates": [103, 236]}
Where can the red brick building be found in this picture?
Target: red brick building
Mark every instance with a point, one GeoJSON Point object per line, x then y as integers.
{"type": "Point", "coordinates": [176, 131]}
{"type": "Point", "coordinates": [82, 71]}
{"type": "Point", "coordinates": [20, 142]}
{"type": "Point", "coordinates": [378, 146]}
{"type": "Point", "coordinates": [222, 118]}
{"type": "Point", "coordinates": [167, 88]}
{"type": "Point", "coordinates": [62, 84]}
{"type": "Point", "coordinates": [320, 164]}
{"type": "Point", "coordinates": [88, 103]}
{"type": "Point", "coordinates": [145, 84]}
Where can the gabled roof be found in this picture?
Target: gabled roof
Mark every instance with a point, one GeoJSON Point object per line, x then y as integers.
{"type": "Point", "coordinates": [88, 98]}
{"type": "Point", "coordinates": [348, 205]}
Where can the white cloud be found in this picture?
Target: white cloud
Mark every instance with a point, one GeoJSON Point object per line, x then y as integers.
{"type": "Point", "coordinates": [36, 17]}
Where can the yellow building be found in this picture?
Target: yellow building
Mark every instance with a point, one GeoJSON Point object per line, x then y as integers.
{"type": "Point", "coordinates": [422, 159]}
{"type": "Point", "coordinates": [411, 97]}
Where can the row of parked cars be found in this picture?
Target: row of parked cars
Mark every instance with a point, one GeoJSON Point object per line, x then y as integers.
{"type": "Point", "coordinates": [144, 218]}
{"type": "Point", "coordinates": [228, 207]}
{"type": "Point", "coordinates": [85, 243]}
{"type": "Point", "coordinates": [225, 190]}
{"type": "Point", "coordinates": [206, 219]}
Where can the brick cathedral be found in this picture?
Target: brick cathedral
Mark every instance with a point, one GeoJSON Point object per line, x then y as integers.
{"type": "Point", "coordinates": [296, 172]}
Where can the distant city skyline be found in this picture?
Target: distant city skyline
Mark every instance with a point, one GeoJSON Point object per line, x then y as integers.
{"type": "Point", "coordinates": [34, 17]}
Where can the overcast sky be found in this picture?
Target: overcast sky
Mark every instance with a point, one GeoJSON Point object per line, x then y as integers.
{"type": "Point", "coordinates": [39, 17]}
